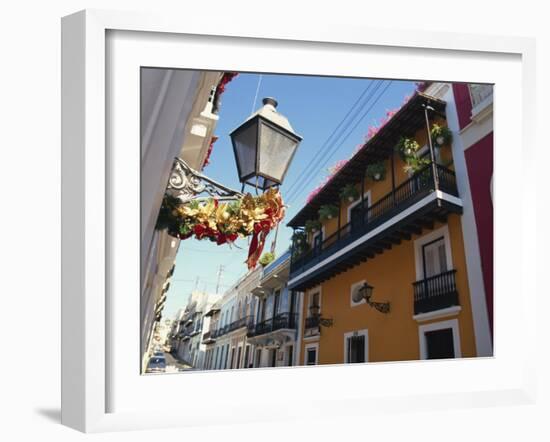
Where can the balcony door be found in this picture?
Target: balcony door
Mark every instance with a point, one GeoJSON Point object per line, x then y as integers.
{"type": "Point", "coordinates": [356, 214]}
{"type": "Point", "coordinates": [440, 344]}
{"type": "Point", "coordinates": [276, 302]}
{"type": "Point", "coordinates": [318, 242]}
{"type": "Point", "coordinates": [434, 258]}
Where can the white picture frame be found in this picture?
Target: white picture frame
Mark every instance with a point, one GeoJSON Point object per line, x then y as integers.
{"type": "Point", "coordinates": [86, 314]}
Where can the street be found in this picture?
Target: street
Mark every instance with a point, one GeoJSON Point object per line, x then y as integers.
{"type": "Point", "coordinates": [173, 365]}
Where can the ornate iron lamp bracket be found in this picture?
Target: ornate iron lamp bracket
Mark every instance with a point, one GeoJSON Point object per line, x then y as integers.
{"type": "Point", "coordinates": [187, 184]}
{"type": "Point", "coordinates": [325, 322]}
{"type": "Point", "coordinates": [382, 307]}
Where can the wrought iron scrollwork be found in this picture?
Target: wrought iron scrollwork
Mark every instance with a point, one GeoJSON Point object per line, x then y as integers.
{"type": "Point", "coordinates": [188, 184]}
{"type": "Point", "coordinates": [382, 307]}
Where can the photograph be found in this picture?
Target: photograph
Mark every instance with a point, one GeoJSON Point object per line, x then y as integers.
{"type": "Point", "coordinates": [299, 220]}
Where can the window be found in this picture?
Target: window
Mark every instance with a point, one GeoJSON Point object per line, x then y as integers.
{"type": "Point", "coordinates": [246, 356]}
{"type": "Point", "coordinates": [318, 241]}
{"type": "Point", "coordinates": [216, 358]}
{"type": "Point", "coordinates": [226, 355]}
{"type": "Point", "coordinates": [273, 357]}
{"type": "Point", "coordinates": [238, 362]}
{"type": "Point", "coordinates": [434, 258]}
{"type": "Point", "coordinates": [258, 357]}
{"type": "Point", "coordinates": [276, 302]}
{"type": "Point", "coordinates": [290, 356]}
{"type": "Point", "coordinates": [232, 357]}
{"type": "Point", "coordinates": [439, 344]}
{"type": "Point", "coordinates": [314, 300]}
{"type": "Point", "coordinates": [440, 340]}
{"type": "Point", "coordinates": [433, 253]}
{"type": "Point", "coordinates": [479, 93]}
{"type": "Point", "coordinates": [356, 347]}
{"type": "Point", "coordinates": [311, 355]}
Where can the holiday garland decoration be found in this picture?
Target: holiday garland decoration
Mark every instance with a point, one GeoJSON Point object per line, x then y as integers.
{"type": "Point", "coordinates": [223, 223]}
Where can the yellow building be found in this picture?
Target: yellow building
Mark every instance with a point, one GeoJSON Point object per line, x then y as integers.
{"type": "Point", "coordinates": [385, 277]}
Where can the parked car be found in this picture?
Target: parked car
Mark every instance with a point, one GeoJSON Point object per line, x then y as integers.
{"type": "Point", "coordinates": [157, 364]}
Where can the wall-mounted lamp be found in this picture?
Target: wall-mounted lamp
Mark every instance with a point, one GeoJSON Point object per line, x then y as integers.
{"type": "Point", "coordinates": [315, 312]}
{"type": "Point", "coordinates": [365, 292]}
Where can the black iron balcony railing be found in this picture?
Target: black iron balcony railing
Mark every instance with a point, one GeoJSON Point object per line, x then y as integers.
{"type": "Point", "coordinates": [239, 323]}
{"type": "Point", "coordinates": [435, 293]}
{"type": "Point", "coordinates": [312, 322]}
{"type": "Point", "coordinates": [403, 196]}
{"type": "Point", "coordinates": [278, 322]}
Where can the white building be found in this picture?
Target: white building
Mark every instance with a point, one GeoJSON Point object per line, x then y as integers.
{"type": "Point", "coordinates": [190, 348]}
{"type": "Point", "coordinates": [176, 121]}
{"type": "Point", "coordinates": [276, 331]}
{"type": "Point", "coordinates": [234, 319]}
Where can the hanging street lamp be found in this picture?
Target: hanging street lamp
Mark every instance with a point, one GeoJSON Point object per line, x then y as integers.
{"type": "Point", "coordinates": [264, 146]}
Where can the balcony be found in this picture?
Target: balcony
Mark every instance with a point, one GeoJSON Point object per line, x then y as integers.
{"type": "Point", "coordinates": [240, 323]}
{"type": "Point", "coordinates": [416, 204]}
{"type": "Point", "coordinates": [312, 326]}
{"type": "Point", "coordinates": [435, 293]}
{"type": "Point", "coordinates": [208, 337]}
{"type": "Point", "coordinates": [279, 328]}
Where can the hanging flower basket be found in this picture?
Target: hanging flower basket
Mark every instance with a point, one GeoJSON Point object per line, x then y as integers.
{"type": "Point", "coordinates": [313, 226]}
{"type": "Point", "coordinates": [222, 223]}
{"type": "Point", "coordinates": [349, 193]}
{"type": "Point", "coordinates": [407, 148]}
{"type": "Point", "coordinates": [327, 211]}
{"type": "Point", "coordinates": [266, 259]}
{"type": "Point", "coordinates": [441, 135]}
{"type": "Point", "coordinates": [376, 171]}
{"type": "Point", "coordinates": [408, 151]}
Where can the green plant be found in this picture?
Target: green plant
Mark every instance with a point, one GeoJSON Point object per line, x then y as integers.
{"type": "Point", "coordinates": [299, 244]}
{"type": "Point", "coordinates": [414, 164]}
{"type": "Point", "coordinates": [327, 211]}
{"type": "Point", "coordinates": [441, 135]}
{"type": "Point", "coordinates": [376, 171]}
{"type": "Point", "coordinates": [266, 258]}
{"type": "Point", "coordinates": [407, 147]}
{"type": "Point", "coordinates": [299, 237]}
{"type": "Point", "coordinates": [349, 192]}
{"type": "Point", "coordinates": [312, 225]}
{"type": "Point", "coordinates": [167, 218]}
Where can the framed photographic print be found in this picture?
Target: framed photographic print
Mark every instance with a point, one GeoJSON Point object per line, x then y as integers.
{"type": "Point", "coordinates": [290, 211]}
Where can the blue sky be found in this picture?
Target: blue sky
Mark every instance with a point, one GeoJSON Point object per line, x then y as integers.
{"type": "Point", "coordinates": [314, 106]}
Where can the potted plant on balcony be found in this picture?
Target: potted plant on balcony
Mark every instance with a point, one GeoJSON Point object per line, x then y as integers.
{"type": "Point", "coordinates": [266, 259]}
{"type": "Point", "coordinates": [441, 135]}
{"type": "Point", "coordinates": [327, 211]}
{"type": "Point", "coordinates": [313, 225]}
{"type": "Point", "coordinates": [408, 151]}
{"type": "Point", "coordinates": [415, 164]}
{"type": "Point", "coordinates": [407, 148]}
{"type": "Point", "coordinates": [376, 171]}
{"type": "Point", "coordinates": [349, 193]}
{"type": "Point", "coordinates": [299, 237]}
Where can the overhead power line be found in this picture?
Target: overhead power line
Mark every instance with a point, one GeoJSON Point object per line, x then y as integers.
{"type": "Point", "coordinates": [293, 198]}
{"type": "Point", "coordinates": [335, 133]}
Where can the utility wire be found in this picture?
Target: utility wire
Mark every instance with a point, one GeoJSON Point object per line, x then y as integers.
{"type": "Point", "coordinates": [334, 146]}
{"type": "Point", "coordinates": [256, 95]}
{"type": "Point", "coordinates": [326, 145]}
{"type": "Point", "coordinates": [293, 198]}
